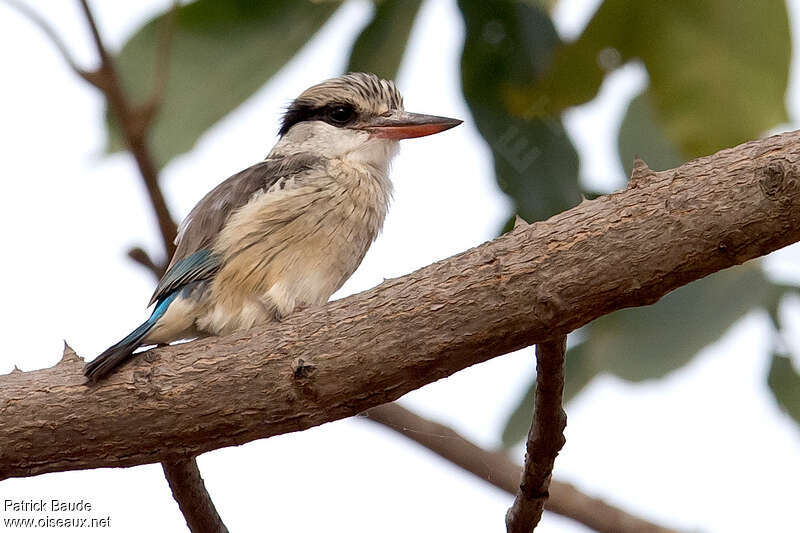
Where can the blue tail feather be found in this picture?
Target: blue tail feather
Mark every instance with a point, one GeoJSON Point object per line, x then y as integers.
{"type": "Point", "coordinates": [121, 351]}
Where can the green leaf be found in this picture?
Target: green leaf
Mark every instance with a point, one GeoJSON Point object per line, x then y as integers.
{"type": "Point", "coordinates": [508, 45]}
{"type": "Point", "coordinates": [380, 47]}
{"type": "Point", "coordinates": [222, 52]}
{"type": "Point", "coordinates": [647, 342]}
{"type": "Point", "coordinates": [784, 382]}
{"type": "Point", "coordinates": [718, 69]}
{"type": "Point", "coordinates": [641, 135]}
{"type": "Point", "coordinates": [577, 374]}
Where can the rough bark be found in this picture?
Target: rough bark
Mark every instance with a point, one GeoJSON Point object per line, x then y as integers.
{"type": "Point", "coordinates": [625, 249]}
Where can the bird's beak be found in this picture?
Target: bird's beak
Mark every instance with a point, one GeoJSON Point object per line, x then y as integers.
{"type": "Point", "coordinates": [404, 125]}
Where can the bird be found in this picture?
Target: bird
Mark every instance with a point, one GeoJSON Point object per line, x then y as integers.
{"type": "Point", "coordinates": [287, 232]}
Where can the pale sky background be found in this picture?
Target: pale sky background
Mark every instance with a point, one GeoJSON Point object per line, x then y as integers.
{"type": "Point", "coordinates": [704, 449]}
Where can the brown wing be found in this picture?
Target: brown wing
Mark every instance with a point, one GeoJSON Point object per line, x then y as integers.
{"type": "Point", "coordinates": [193, 260]}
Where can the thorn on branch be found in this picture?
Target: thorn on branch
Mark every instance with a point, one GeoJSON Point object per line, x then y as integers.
{"type": "Point", "coordinates": [69, 356]}
{"type": "Point", "coordinates": [545, 438]}
{"type": "Point", "coordinates": [640, 172]}
{"type": "Point", "coordinates": [519, 221]}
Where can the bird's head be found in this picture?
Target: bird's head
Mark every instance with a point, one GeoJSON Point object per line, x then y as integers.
{"type": "Point", "coordinates": [358, 116]}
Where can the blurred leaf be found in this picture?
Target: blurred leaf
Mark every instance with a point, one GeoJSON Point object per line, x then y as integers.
{"type": "Point", "coordinates": [549, 5]}
{"type": "Point", "coordinates": [647, 342]}
{"type": "Point", "coordinates": [784, 381]}
{"type": "Point", "coordinates": [519, 421]}
{"type": "Point", "coordinates": [718, 69]}
{"type": "Point", "coordinates": [508, 46]}
{"type": "Point", "coordinates": [577, 375]}
{"type": "Point", "coordinates": [222, 52]}
{"type": "Point", "coordinates": [641, 135]}
{"type": "Point", "coordinates": [380, 46]}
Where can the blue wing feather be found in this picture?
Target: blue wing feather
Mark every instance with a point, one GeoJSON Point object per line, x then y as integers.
{"type": "Point", "coordinates": [198, 266]}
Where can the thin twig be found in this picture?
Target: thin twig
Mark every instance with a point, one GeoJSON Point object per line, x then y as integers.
{"type": "Point", "coordinates": [143, 258]}
{"type": "Point", "coordinates": [51, 34]}
{"type": "Point", "coordinates": [496, 468]}
{"type": "Point", "coordinates": [190, 492]}
{"type": "Point", "coordinates": [134, 123]}
{"type": "Point", "coordinates": [545, 438]}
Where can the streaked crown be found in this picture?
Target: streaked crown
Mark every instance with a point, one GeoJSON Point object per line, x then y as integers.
{"type": "Point", "coordinates": [345, 101]}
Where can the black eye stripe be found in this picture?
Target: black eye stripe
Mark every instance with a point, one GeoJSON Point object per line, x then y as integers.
{"type": "Point", "coordinates": [296, 113]}
{"type": "Point", "coordinates": [330, 113]}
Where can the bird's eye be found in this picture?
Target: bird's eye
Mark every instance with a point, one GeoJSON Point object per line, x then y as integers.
{"type": "Point", "coordinates": [341, 114]}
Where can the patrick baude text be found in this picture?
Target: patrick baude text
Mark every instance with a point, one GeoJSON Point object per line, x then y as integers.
{"type": "Point", "coordinates": [42, 505]}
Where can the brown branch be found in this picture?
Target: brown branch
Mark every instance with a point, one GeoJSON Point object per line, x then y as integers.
{"type": "Point", "coordinates": [190, 492]}
{"type": "Point", "coordinates": [496, 468]}
{"type": "Point", "coordinates": [135, 124]}
{"type": "Point", "coordinates": [545, 438]}
{"type": "Point", "coordinates": [325, 363]}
